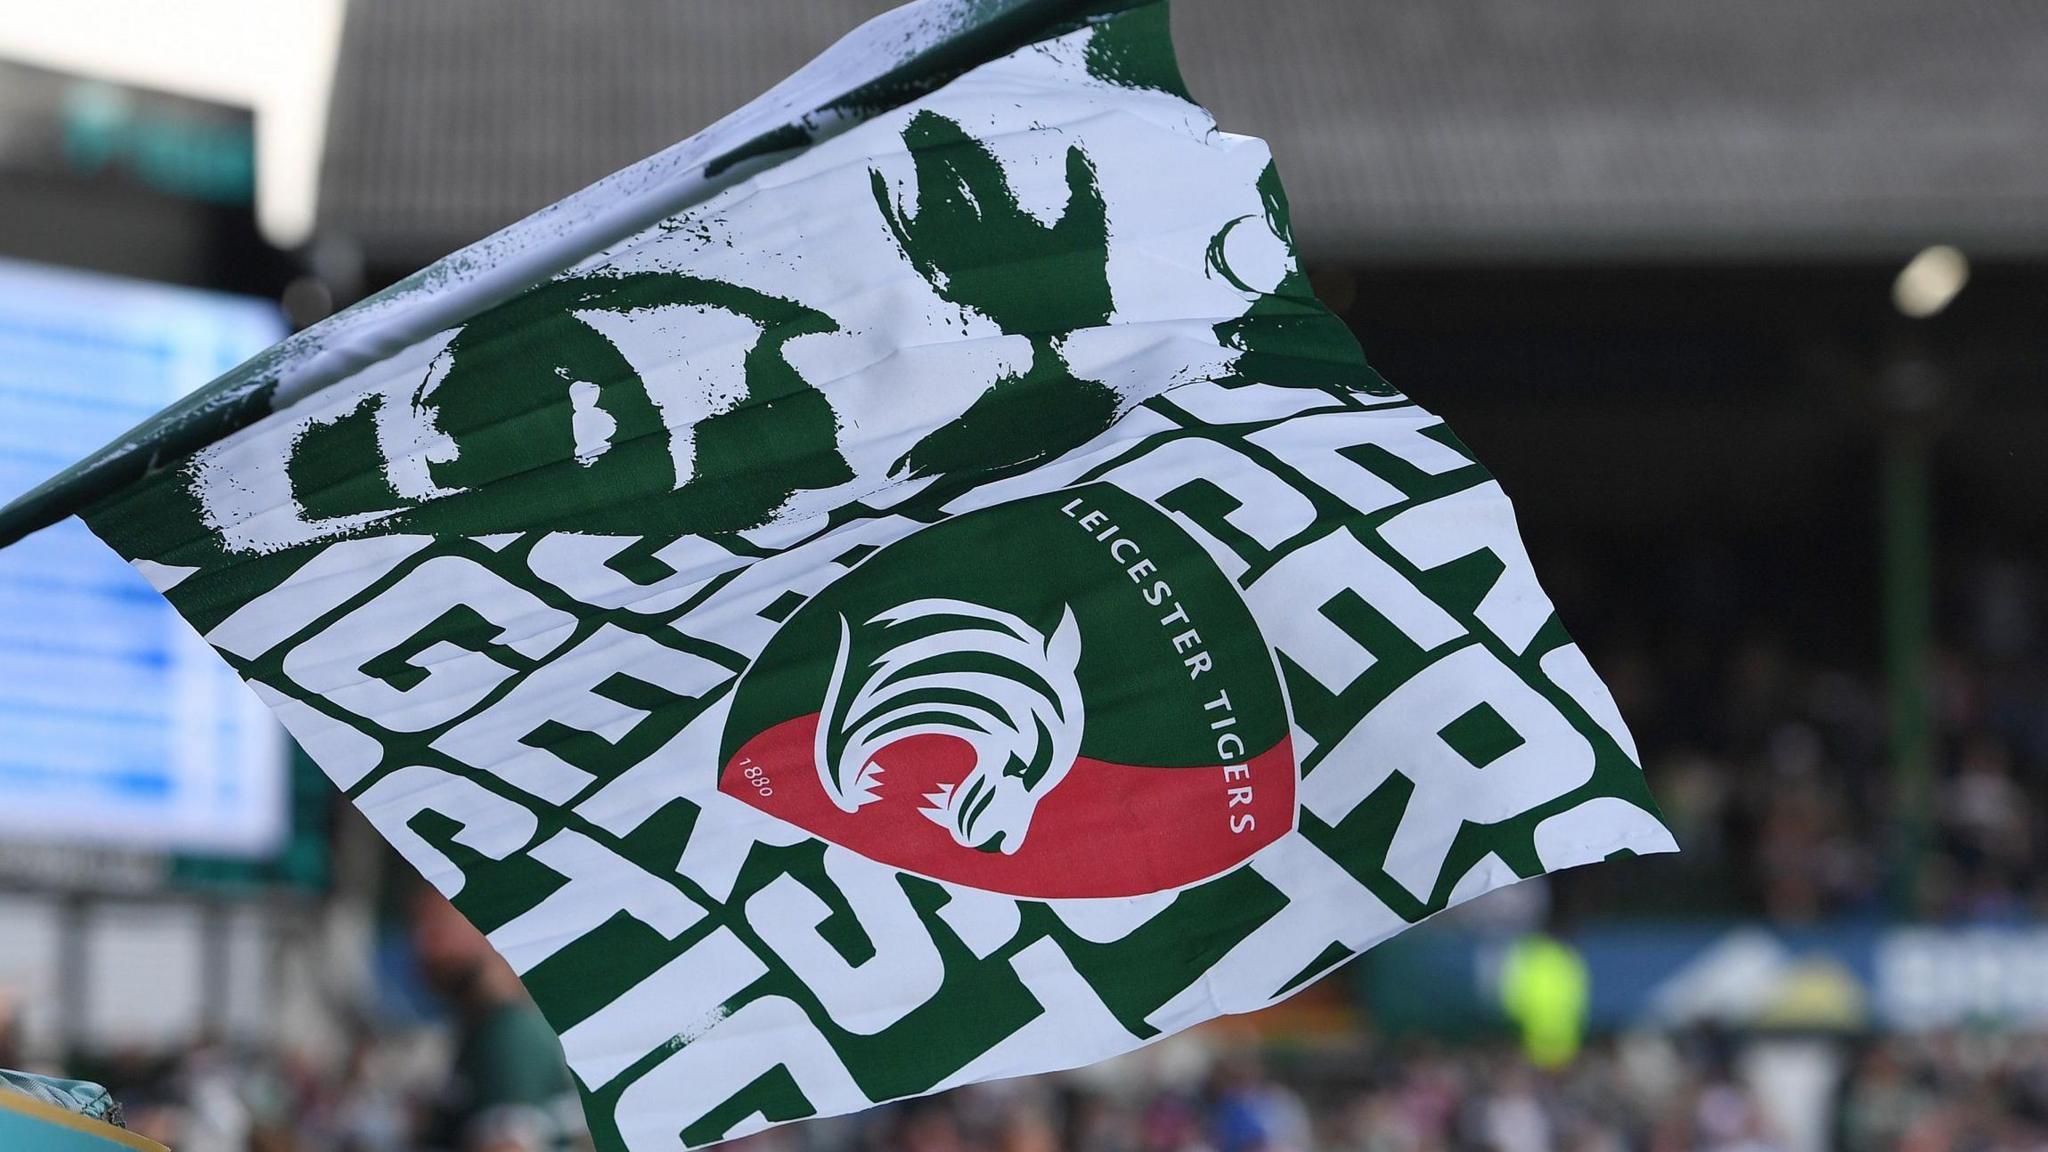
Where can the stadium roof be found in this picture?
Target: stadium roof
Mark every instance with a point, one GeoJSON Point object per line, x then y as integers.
{"type": "Point", "coordinates": [1492, 129]}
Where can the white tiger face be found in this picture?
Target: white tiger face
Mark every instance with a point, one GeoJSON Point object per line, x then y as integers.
{"type": "Point", "coordinates": [981, 676]}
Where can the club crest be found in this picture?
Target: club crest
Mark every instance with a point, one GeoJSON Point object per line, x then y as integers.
{"type": "Point", "coordinates": [1062, 696]}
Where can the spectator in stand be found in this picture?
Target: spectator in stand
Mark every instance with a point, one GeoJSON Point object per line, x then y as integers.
{"type": "Point", "coordinates": [1251, 1113]}
{"type": "Point", "coordinates": [508, 1090]}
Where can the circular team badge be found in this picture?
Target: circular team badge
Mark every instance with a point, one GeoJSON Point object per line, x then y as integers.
{"type": "Point", "coordinates": [1059, 697]}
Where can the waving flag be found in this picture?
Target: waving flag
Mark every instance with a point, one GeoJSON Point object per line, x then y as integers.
{"type": "Point", "coordinates": [904, 588]}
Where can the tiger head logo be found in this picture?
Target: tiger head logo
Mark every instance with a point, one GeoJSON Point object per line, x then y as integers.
{"type": "Point", "coordinates": [979, 675]}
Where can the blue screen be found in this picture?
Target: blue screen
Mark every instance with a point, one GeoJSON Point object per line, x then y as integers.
{"type": "Point", "coordinates": [118, 726]}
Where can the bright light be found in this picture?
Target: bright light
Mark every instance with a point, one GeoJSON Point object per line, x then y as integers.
{"type": "Point", "coordinates": [1931, 281]}
{"type": "Point", "coordinates": [274, 56]}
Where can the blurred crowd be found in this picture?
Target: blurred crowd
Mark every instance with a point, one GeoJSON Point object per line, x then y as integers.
{"type": "Point", "coordinates": [1641, 1093]}
{"type": "Point", "coordinates": [1694, 1092]}
{"type": "Point", "coordinates": [1770, 755]}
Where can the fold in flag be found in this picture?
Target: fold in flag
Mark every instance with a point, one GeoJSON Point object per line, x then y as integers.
{"type": "Point", "coordinates": [904, 588]}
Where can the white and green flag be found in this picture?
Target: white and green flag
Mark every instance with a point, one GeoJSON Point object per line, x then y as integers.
{"type": "Point", "coordinates": [904, 588]}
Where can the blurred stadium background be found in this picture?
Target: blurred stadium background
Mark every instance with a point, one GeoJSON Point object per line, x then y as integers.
{"type": "Point", "coordinates": [1745, 301]}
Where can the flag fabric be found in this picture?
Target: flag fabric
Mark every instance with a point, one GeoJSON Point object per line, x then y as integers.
{"type": "Point", "coordinates": [905, 588]}
{"type": "Point", "coordinates": [39, 1114]}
